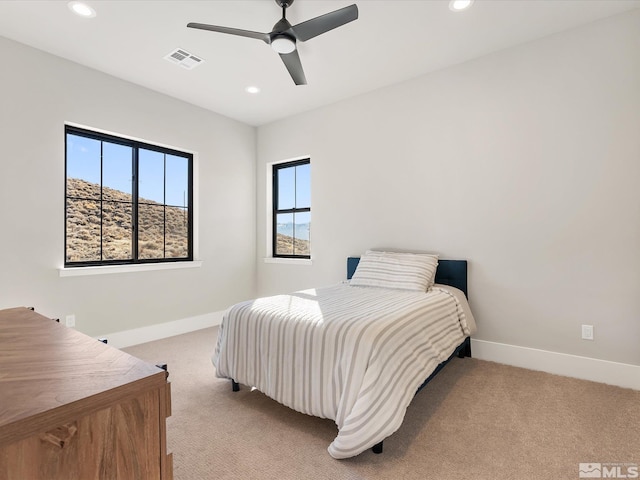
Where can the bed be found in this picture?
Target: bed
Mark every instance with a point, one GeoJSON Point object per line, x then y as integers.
{"type": "Point", "coordinates": [356, 352]}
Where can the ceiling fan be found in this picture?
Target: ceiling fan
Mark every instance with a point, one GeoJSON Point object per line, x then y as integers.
{"type": "Point", "coordinates": [283, 37]}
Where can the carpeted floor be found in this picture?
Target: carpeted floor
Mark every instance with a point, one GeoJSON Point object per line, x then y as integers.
{"type": "Point", "coordinates": [476, 420]}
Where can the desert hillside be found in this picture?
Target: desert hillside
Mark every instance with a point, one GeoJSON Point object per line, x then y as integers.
{"type": "Point", "coordinates": [83, 227]}
{"type": "Point", "coordinates": [286, 244]}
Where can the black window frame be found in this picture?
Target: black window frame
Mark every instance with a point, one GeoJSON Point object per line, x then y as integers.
{"type": "Point", "coordinates": [276, 211]}
{"type": "Point", "coordinates": [136, 145]}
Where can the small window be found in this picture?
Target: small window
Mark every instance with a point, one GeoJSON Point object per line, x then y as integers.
{"type": "Point", "coordinates": [126, 202]}
{"type": "Point", "coordinates": [292, 209]}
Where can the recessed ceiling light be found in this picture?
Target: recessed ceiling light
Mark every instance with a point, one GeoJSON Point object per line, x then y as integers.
{"type": "Point", "coordinates": [252, 89]}
{"type": "Point", "coordinates": [459, 5]}
{"type": "Point", "coordinates": [82, 9]}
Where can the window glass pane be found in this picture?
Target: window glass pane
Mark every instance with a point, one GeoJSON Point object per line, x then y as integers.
{"type": "Point", "coordinates": [286, 188]}
{"type": "Point", "coordinates": [303, 186]}
{"type": "Point", "coordinates": [301, 233]}
{"type": "Point", "coordinates": [83, 167]}
{"type": "Point", "coordinates": [116, 231]}
{"type": "Point", "coordinates": [150, 231]}
{"type": "Point", "coordinates": [302, 225]}
{"type": "Point", "coordinates": [177, 233]}
{"type": "Point", "coordinates": [284, 234]}
{"type": "Point", "coordinates": [83, 231]}
{"type": "Point", "coordinates": [116, 172]}
{"type": "Point", "coordinates": [150, 176]}
{"type": "Point", "coordinates": [177, 181]}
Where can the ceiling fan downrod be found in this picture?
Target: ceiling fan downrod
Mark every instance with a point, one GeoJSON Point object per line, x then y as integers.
{"type": "Point", "coordinates": [284, 4]}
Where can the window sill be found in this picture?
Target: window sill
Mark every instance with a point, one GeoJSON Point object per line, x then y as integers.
{"type": "Point", "coordinates": [108, 269]}
{"type": "Point", "coordinates": [289, 261]}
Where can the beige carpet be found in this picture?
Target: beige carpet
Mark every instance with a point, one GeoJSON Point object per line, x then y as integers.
{"type": "Point", "coordinates": [476, 420]}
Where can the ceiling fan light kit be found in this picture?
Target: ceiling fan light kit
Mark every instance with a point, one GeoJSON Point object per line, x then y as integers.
{"type": "Point", "coordinates": [284, 36]}
{"type": "Point", "coordinates": [283, 44]}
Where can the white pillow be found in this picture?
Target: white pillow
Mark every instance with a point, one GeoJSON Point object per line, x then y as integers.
{"type": "Point", "coordinates": [405, 271]}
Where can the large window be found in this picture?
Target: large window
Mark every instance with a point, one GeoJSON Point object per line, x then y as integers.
{"type": "Point", "coordinates": [292, 209]}
{"type": "Point", "coordinates": [125, 201]}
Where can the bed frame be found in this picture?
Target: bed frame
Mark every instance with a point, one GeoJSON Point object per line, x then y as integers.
{"type": "Point", "coordinates": [449, 272]}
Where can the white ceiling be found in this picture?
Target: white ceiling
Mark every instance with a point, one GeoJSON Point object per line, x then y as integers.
{"type": "Point", "coordinates": [392, 41]}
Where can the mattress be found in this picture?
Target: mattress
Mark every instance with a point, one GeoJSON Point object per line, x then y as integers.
{"type": "Point", "coordinates": [355, 355]}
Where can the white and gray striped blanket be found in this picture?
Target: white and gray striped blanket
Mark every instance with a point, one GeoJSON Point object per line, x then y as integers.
{"type": "Point", "coordinates": [355, 355]}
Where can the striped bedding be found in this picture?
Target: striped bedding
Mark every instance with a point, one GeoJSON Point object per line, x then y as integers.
{"type": "Point", "coordinates": [353, 354]}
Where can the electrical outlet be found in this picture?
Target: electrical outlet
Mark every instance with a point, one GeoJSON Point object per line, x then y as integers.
{"type": "Point", "coordinates": [587, 332]}
{"type": "Point", "coordinates": [70, 320]}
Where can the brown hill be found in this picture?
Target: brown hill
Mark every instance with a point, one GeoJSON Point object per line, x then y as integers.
{"type": "Point", "coordinates": [84, 223]}
{"type": "Point", "coordinates": [285, 245]}
{"type": "Point", "coordinates": [83, 227]}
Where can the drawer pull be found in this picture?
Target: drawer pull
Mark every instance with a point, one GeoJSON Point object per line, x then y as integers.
{"type": "Point", "coordinates": [61, 435]}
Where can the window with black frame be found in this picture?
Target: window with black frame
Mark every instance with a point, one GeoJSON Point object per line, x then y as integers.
{"type": "Point", "coordinates": [292, 209]}
{"type": "Point", "coordinates": [126, 202]}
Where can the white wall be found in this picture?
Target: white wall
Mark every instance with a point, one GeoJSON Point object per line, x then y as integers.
{"type": "Point", "coordinates": [525, 162]}
{"type": "Point", "coordinates": [39, 93]}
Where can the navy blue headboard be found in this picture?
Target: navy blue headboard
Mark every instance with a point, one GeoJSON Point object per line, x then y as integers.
{"type": "Point", "coordinates": [449, 272]}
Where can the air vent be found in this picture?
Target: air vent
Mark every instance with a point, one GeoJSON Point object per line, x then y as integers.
{"type": "Point", "coordinates": [183, 58]}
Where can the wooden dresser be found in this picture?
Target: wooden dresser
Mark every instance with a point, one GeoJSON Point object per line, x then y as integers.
{"type": "Point", "coordinates": [72, 407]}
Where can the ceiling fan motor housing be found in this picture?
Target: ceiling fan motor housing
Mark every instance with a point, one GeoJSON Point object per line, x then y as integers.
{"type": "Point", "coordinates": [281, 26]}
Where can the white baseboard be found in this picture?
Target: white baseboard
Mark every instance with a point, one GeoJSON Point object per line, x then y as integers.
{"type": "Point", "coordinates": [585, 368]}
{"type": "Point", "coordinates": [158, 331]}
{"type": "Point", "coordinates": [603, 371]}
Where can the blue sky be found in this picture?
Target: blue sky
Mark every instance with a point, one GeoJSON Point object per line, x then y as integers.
{"type": "Point", "coordinates": [83, 161]}
{"type": "Point", "coordinates": [294, 187]}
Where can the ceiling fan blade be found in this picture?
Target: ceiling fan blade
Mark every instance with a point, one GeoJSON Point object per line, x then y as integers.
{"type": "Point", "coordinates": [293, 64]}
{"type": "Point", "coordinates": [318, 25]}
{"type": "Point", "coordinates": [233, 31]}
